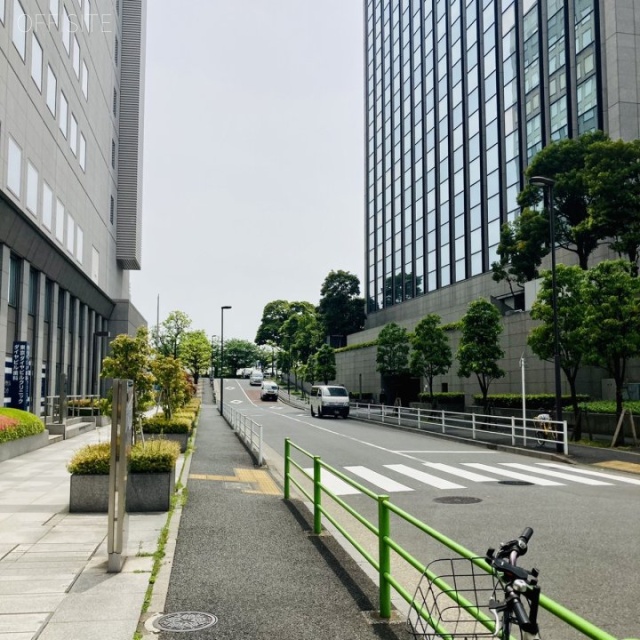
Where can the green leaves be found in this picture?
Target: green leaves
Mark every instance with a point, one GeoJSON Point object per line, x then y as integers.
{"type": "Point", "coordinates": [392, 357]}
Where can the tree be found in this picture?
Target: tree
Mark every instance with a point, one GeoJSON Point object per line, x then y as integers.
{"type": "Point", "coordinates": [170, 376]}
{"type": "Point", "coordinates": [612, 321]}
{"type": "Point", "coordinates": [341, 310]}
{"type": "Point", "coordinates": [571, 309]}
{"type": "Point", "coordinates": [479, 348]}
{"type": "Point", "coordinates": [523, 244]}
{"type": "Point", "coordinates": [238, 354]}
{"type": "Point", "coordinates": [195, 353]}
{"type": "Point", "coordinates": [613, 178]}
{"type": "Point", "coordinates": [274, 315]}
{"type": "Point", "coordinates": [431, 355]}
{"type": "Point", "coordinates": [169, 335]}
{"type": "Point", "coordinates": [325, 364]}
{"type": "Point", "coordinates": [130, 359]}
{"type": "Point", "coordinates": [392, 357]}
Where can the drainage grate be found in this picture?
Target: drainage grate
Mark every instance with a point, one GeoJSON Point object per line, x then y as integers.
{"type": "Point", "coordinates": [458, 500]}
{"type": "Point", "coordinates": [516, 483]}
{"type": "Point", "coordinates": [185, 621]}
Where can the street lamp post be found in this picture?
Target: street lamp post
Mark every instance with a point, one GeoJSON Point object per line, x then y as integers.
{"type": "Point", "coordinates": [547, 184]}
{"type": "Point", "coordinates": [222, 310]}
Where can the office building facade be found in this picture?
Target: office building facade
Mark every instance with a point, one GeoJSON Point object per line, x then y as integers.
{"type": "Point", "coordinates": [460, 95]}
{"type": "Point", "coordinates": [71, 124]}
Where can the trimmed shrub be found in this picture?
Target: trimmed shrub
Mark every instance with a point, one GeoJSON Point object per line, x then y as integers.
{"type": "Point", "coordinates": [157, 456]}
{"type": "Point", "coordinates": [609, 406]}
{"type": "Point", "coordinates": [16, 424]}
{"type": "Point", "coordinates": [160, 424]}
{"type": "Point", "coordinates": [443, 398]}
{"type": "Point", "coordinates": [535, 400]}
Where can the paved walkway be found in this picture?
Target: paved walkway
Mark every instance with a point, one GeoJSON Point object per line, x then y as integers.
{"type": "Point", "coordinates": [235, 551]}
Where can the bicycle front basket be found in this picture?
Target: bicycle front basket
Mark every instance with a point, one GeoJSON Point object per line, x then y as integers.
{"type": "Point", "coordinates": [450, 601]}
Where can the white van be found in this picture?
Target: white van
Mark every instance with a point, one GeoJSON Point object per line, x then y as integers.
{"type": "Point", "coordinates": [329, 400]}
{"type": "Point", "coordinates": [256, 378]}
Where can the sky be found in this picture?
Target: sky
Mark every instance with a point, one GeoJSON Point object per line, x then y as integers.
{"type": "Point", "coordinates": [253, 184]}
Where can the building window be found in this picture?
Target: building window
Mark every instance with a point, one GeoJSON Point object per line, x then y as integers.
{"type": "Point", "coordinates": [14, 167]}
{"type": "Point", "coordinates": [36, 62]}
{"type": "Point", "coordinates": [63, 115]}
{"type": "Point", "coordinates": [54, 10]}
{"type": "Point", "coordinates": [2, 11]}
{"type": "Point", "coordinates": [32, 189]}
{"type": "Point", "coordinates": [14, 281]}
{"type": "Point", "coordinates": [87, 14]}
{"type": "Point", "coordinates": [115, 51]}
{"type": "Point", "coordinates": [33, 292]}
{"type": "Point", "coordinates": [47, 206]}
{"type": "Point", "coordinates": [59, 221]}
{"type": "Point", "coordinates": [115, 102]}
{"type": "Point", "coordinates": [19, 29]}
{"type": "Point", "coordinates": [82, 153]}
{"type": "Point", "coordinates": [76, 57]}
{"type": "Point", "coordinates": [112, 210]}
{"type": "Point", "coordinates": [66, 30]}
{"type": "Point", "coordinates": [73, 135]}
{"type": "Point", "coordinates": [52, 90]}
{"type": "Point", "coordinates": [85, 80]}
{"type": "Point", "coordinates": [71, 228]}
{"type": "Point", "coordinates": [113, 153]}
{"type": "Point", "coordinates": [79, 244]}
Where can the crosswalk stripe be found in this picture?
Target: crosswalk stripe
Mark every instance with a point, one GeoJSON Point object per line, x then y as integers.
{"type": "Point", "coordinates": [462, 473]}
{"type": "Point", "coordinates": [555, 474]}
{"type": "Point", "coordinates": [513, 474]}
{"type": "Point", "coordinates": [333, 483]}
{"type": "Point", "coordinates": [377, 479]}
{"type": "Point", "coordinates": [597, 474]}
{"type": "Point", "coordinates": [421, 476]}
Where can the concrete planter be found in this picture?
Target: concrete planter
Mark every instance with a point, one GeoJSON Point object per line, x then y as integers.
{"type": "Point", "coordinates": [146, 492]}
{"type": "Point", "coordinates": [182, 438]}
{"type": "Point", "coordinates": [15, 448]}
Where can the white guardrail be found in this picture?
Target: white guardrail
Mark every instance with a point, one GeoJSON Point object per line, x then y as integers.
{"type": "Point", "coordinates": [515, 430]}
{"type": "Point", "coordinates": [247, 429]}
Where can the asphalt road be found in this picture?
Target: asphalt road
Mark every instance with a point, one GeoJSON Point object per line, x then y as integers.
{"type": "Point", "coordinates": [583, 522]}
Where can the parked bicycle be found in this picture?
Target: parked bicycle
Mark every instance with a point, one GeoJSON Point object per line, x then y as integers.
{"type": "Point", "coordinates": [457, 599]}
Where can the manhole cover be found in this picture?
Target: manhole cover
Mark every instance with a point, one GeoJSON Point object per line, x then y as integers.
{"type": "Point", "coordinates": [185, 621]}
{"type": "Point", "coordinates": [516, 483]}
{"type": "Point", "coordinates": [457, 500]}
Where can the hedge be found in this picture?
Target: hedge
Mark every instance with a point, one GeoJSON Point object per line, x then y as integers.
{"type": "Point", "coordinates": [16, 424]}
{"type": "Point", "coordinates": [545, 401]}
{"type": "Point", "coordinates": [160, 424]}
{"type": "Point", "coordinates": [443, 398]}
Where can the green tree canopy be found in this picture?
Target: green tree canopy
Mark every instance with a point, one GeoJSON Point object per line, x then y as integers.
{"type": "Point", "coordinates": [130, 359]}
{"type": "Point", "coordinates": [612, 321]}
{"type": "Point", "coordinates": [239, 354]}
{"type": "Point", "coordinates": [274, 315]}
{"type": "Point", "coordinates": [392, 357]}
{"type": "Point", "coordinates": [571, 310]}
{"type": "Point", "coordinates": [170, 376]}
{"type": "Point", "coordinates": [341, 310]}
{"type": "Point", "coordinates": [479, 348]}
{"type": "Point", "coordinates": [168, 336]}
{"type": "Point", "coordinates": [325, 364]}
{"type": "Point", "coordinates": [195, 353]}
{"type": "Point", "coordinates": [431, 355]}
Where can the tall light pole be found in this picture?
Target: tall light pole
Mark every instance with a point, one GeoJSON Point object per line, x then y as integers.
{"type": "Point", "coordinates": [547, 185]}
{"type": "Point", "coordinates": [222, 310]}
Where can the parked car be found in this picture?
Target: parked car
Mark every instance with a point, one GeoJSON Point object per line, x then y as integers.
{"type": "Point", "coordinates": [269, 391]}
{"type": "Point", "coordinates": [246, 372]}
{"type": "Point", "coordinates": [256, 378]}
{"type": "Point", "coordinates": [329, 400]}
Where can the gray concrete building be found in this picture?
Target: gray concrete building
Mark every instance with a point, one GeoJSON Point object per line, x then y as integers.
{"type": "Point", "coordinates": [71, 127]}
{"type": "Point", "coordinates": [460, 95]}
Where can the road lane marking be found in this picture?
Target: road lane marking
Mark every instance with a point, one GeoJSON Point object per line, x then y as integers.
{"type": "Point", "coordinates": [467, 475]}
{"type": "Point", "coordinates": [597, 474]}
{"type": "Point", "coordinates": [555, 474]}
{"type": "Point", "coordinates": [513, 474]}
{"type": "Point", "coordinates": [334, 484]}
{"type": "Point", "coordinates": [425, 478]}
{"type": "Point", "coordinates": [377, 479]}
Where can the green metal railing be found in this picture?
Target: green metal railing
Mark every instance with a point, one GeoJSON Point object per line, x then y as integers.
{"type": "Point", "coordinates": [386, 544]}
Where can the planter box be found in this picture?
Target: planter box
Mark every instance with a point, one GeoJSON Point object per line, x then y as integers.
{"type": "Point", "coordinates": [182, 438]}
{"type": "Point", "coordinates": [18, 447]}
{"type": "Point", "coordinates": [145, 492]}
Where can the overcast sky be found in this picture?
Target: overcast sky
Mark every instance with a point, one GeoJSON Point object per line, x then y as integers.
{"type": "Point", "coordinates": [253, 159]}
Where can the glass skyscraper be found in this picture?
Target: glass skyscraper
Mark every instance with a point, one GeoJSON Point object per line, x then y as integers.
{"type": "Point", "coordinates": [460, 95]}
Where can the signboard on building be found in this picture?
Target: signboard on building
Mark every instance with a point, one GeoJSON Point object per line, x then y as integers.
{"type": "Point", "coordinates": [21, 376]}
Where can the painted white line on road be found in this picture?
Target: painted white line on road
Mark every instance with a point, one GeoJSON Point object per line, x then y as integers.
{"type": "Point", "coordinates": [596, 474]}
{"type": "Point", "coordinates": [333, 483]}
{"type": "Point", "coordinates": [462, 473]}
{"type": "Point", "coordinates": [513, 474]}
{"type": "Point", "coordinates": [555, 474]}
{"type": "Point", "coordinates": [384, 483]}
{"type": "Point", "coordinates": [423, 477]}
{"type": "Point", "coordinates": [437, 451]}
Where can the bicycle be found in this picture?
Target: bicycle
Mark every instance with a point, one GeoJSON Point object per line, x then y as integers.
{"type": "Point", "coordinates": [544, 431]}
{"type": "Point", "coordinates": [457, 599]}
